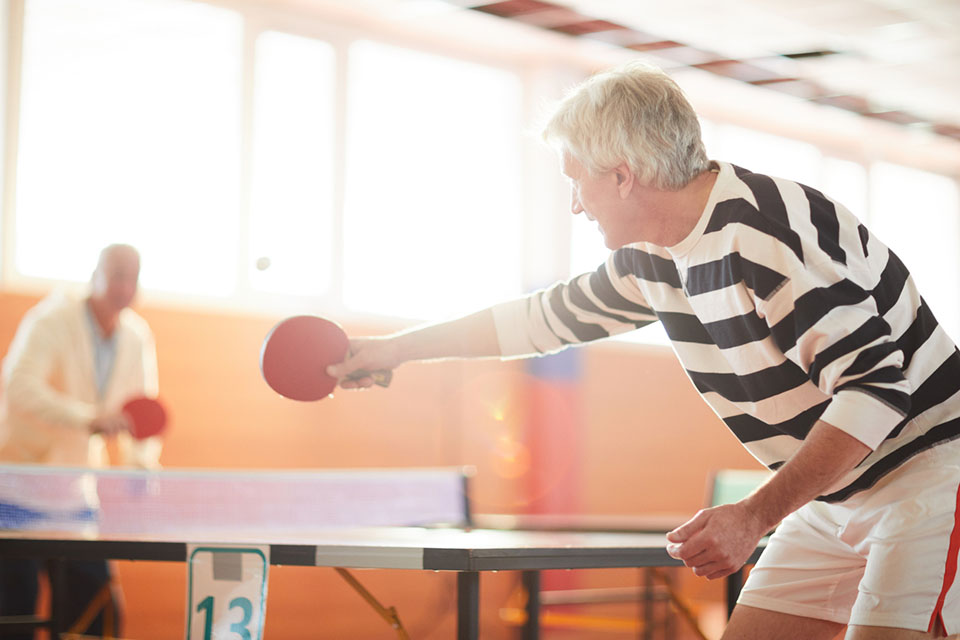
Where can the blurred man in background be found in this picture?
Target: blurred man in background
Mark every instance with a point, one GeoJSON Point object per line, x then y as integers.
{"type": "Point", "coordinates": [73, 363]}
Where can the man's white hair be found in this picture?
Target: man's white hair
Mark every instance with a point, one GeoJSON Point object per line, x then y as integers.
{"type": "Point", "coordinates": [633, 114]}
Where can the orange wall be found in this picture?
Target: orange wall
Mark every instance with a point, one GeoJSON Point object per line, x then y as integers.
{"type": "Point", "coordinates": [647, 443]}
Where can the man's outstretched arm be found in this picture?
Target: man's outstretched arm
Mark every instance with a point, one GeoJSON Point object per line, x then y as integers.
{"type": "Point", "coordinates": [472, 336]}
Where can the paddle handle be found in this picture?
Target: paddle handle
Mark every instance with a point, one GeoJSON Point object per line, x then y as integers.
{"type": "Point", "coordinates": [381, 377]}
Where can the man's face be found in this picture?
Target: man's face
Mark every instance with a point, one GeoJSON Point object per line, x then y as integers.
{"type": "Point", "coordinates": [115, 280]}
{"type": "Point", "coordinates": [598, 198]}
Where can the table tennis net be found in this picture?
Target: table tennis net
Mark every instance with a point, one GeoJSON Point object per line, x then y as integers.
{"type": "Point", "coordinates": [37, 497]}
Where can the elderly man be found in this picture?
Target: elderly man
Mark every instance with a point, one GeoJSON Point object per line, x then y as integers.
{"type": "Point", "coordinates": [803, 332]}
{"type": "Point", "coordinates": [72, 364]}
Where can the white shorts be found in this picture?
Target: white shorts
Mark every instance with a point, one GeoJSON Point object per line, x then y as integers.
{"type": "Point", "coordinates": [884, 557]}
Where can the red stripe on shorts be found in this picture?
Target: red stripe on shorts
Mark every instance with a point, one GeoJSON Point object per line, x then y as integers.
{"type": "Point", "coordinates": [950, 572]}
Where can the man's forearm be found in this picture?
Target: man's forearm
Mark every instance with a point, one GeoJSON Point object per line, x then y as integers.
{"type": "Point", "coordinates": [29, 394]}
{"type": "Point", "coordinates": [825, 456]}
{"type": "Point", "coordinates": [472, 336]}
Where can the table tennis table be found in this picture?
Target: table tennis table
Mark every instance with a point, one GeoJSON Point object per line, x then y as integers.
{"type": "Point", "coordinates": [652, 523]}
{"type": "Point", "coordinates": [135, 522]}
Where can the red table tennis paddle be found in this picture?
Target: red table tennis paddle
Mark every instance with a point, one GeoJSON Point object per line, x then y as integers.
{"type": "Point", "coordinates": [296, 353]}
{"type": "Point", "coordinates": [147, 417]}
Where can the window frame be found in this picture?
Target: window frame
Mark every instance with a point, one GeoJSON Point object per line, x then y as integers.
{"type": "Point", "coordinates": [546, 64]}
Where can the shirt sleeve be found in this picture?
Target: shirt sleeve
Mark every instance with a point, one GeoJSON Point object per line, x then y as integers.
{"type": "Point", "coordinates": [589, 307]}
{"type": "Point", "coordinates": [32, 359]}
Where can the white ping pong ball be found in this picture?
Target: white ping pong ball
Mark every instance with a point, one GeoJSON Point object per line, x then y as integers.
{"type": "Point", "coordinates": [263, 263]}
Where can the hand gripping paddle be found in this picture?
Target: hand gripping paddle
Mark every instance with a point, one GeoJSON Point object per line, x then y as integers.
{"type": "Point", "coordinates": [296, 353]}
{"type": "Point", "coordinates": [147, 417]}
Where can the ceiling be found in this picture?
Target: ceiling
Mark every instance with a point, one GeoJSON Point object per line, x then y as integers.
{"type": "Point", "coordinates": [893, 60]}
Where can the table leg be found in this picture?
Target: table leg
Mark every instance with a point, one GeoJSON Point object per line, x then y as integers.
{"type": "Point", "coordinates": [57, 573]}
{"type": "Point", "coordinates": [646, 620]}
{"type": "Point", "coordinates": [733, 585]}
{"type": "Point", "coordinates": [468, 605]}
{"type": "Point", "coordinates": [531, 584]}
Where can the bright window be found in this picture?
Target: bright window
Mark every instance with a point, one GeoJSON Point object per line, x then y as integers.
{"type": "Point", "coordinates": [846, 183]}
{"type": "Point", "coordinates": [291, 230]}
{"type": "Point", "coordinates": [764, 153]}
{"type": "Point", "coordinates": [915, 213]}
{"type": "Point", "coordinates": [130, 131]}
{"type": "Point", "coordinates": [432, 221]}
{"type": "Point", "coordinates": [586, 246]}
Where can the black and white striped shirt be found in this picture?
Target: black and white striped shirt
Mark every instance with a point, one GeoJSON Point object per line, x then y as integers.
{"type": "Point", "coordinates": [783, 309]}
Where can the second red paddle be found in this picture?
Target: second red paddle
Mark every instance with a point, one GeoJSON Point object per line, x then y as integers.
{"type": "Point", "coordinates": [147, 417]}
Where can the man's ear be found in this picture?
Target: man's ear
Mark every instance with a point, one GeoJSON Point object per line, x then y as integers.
{"type": "Point", "coordinates": [625, 179]}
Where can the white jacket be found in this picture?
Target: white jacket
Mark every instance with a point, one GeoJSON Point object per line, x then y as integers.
{"type": "Point", "coordinates": [49, 393]}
